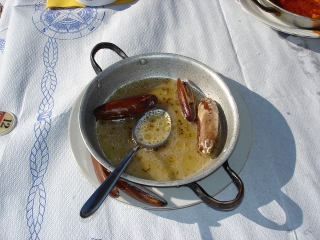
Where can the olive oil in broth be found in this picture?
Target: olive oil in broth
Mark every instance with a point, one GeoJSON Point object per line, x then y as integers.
{"type": "Point", "coordinates": [178, 158]}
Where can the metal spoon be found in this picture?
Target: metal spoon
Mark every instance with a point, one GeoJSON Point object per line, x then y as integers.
{"type": "Point", "coordinates": [150, 131]}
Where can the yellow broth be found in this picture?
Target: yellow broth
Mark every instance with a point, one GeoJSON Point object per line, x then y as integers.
{"type": "Point", "coordinates": [178, 158]}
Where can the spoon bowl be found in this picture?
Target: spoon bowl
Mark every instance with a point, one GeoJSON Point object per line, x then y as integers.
{"type": "Point", "coordinates": [151, 131]}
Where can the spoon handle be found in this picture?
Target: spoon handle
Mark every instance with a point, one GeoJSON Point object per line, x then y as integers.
{"type": "Point", "coordinates": [97, 198]}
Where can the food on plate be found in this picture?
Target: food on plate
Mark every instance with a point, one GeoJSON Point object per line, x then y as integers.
{"type": "Point", "coordinates": [138, 194]}
{"type": "Point", "coordinates": [208, 125]}
{"type": "Point", "coordinates": [126, 107]}
{"type": "Point", "coordinates": [186, 99]}
{"type": "Point", "coordinates": [178, 158]}
{"type": "Point", "coordinates": [102, 175]}
{"type": "Point", "coordinates": [307, 8]}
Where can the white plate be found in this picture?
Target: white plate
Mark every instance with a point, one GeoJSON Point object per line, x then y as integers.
{"type": "Point", "coordinates": [267, 18]}
{"type": "Point", "coordinates": [94, 3]}
{"type": "Point", "coordinates": [176, 197]}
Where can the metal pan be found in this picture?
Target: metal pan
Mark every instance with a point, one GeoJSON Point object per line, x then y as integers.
{"type": "Point", "coordinates": [287, 17]}
{"type": "Point", "coordinates": [164, 65]}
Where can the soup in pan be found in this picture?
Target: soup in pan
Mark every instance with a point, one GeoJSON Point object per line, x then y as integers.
{"type": "Point", "coordinates": [178, 158]}
{"type": "Point", "coordinates": [307, 8]}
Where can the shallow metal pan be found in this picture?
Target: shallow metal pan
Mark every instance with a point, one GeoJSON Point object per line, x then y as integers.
{"type": "Point", "coordinates": [287, 17]}
{"type": "Point", "coordinates": [164, 65]}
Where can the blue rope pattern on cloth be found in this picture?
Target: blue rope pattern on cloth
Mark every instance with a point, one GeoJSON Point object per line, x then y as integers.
{"type": "Point", "coordinates": [39, 156]}
{"type": "Point", "coordinates": [63, 24]}
{"type": "Point", "coordinates": [2, 43]}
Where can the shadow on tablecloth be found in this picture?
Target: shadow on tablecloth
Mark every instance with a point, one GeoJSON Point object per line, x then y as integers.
{"type": "Point", "coordinates": [295, 42]}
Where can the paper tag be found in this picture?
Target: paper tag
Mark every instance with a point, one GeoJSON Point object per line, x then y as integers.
{"type": "Point", "coordinates": [7, 122]}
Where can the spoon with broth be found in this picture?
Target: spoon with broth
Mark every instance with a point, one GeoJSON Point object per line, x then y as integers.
{"type": "Point", "coordinates": [151, 131]}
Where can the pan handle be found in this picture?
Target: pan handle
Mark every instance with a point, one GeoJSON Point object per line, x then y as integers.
{"type": "Point", "coordinates": [214, 203]}
{"type": "Point", "coordinates": [266, 9]}
{"type": "Point", "coordinates": [104, 45]}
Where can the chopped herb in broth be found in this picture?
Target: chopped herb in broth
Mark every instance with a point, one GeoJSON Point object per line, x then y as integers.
{"type": "Point", "coordinates": [178, 158]}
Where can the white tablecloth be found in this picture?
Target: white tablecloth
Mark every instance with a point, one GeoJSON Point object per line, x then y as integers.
{"type": "Point", "coordinates": [42, 72]}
